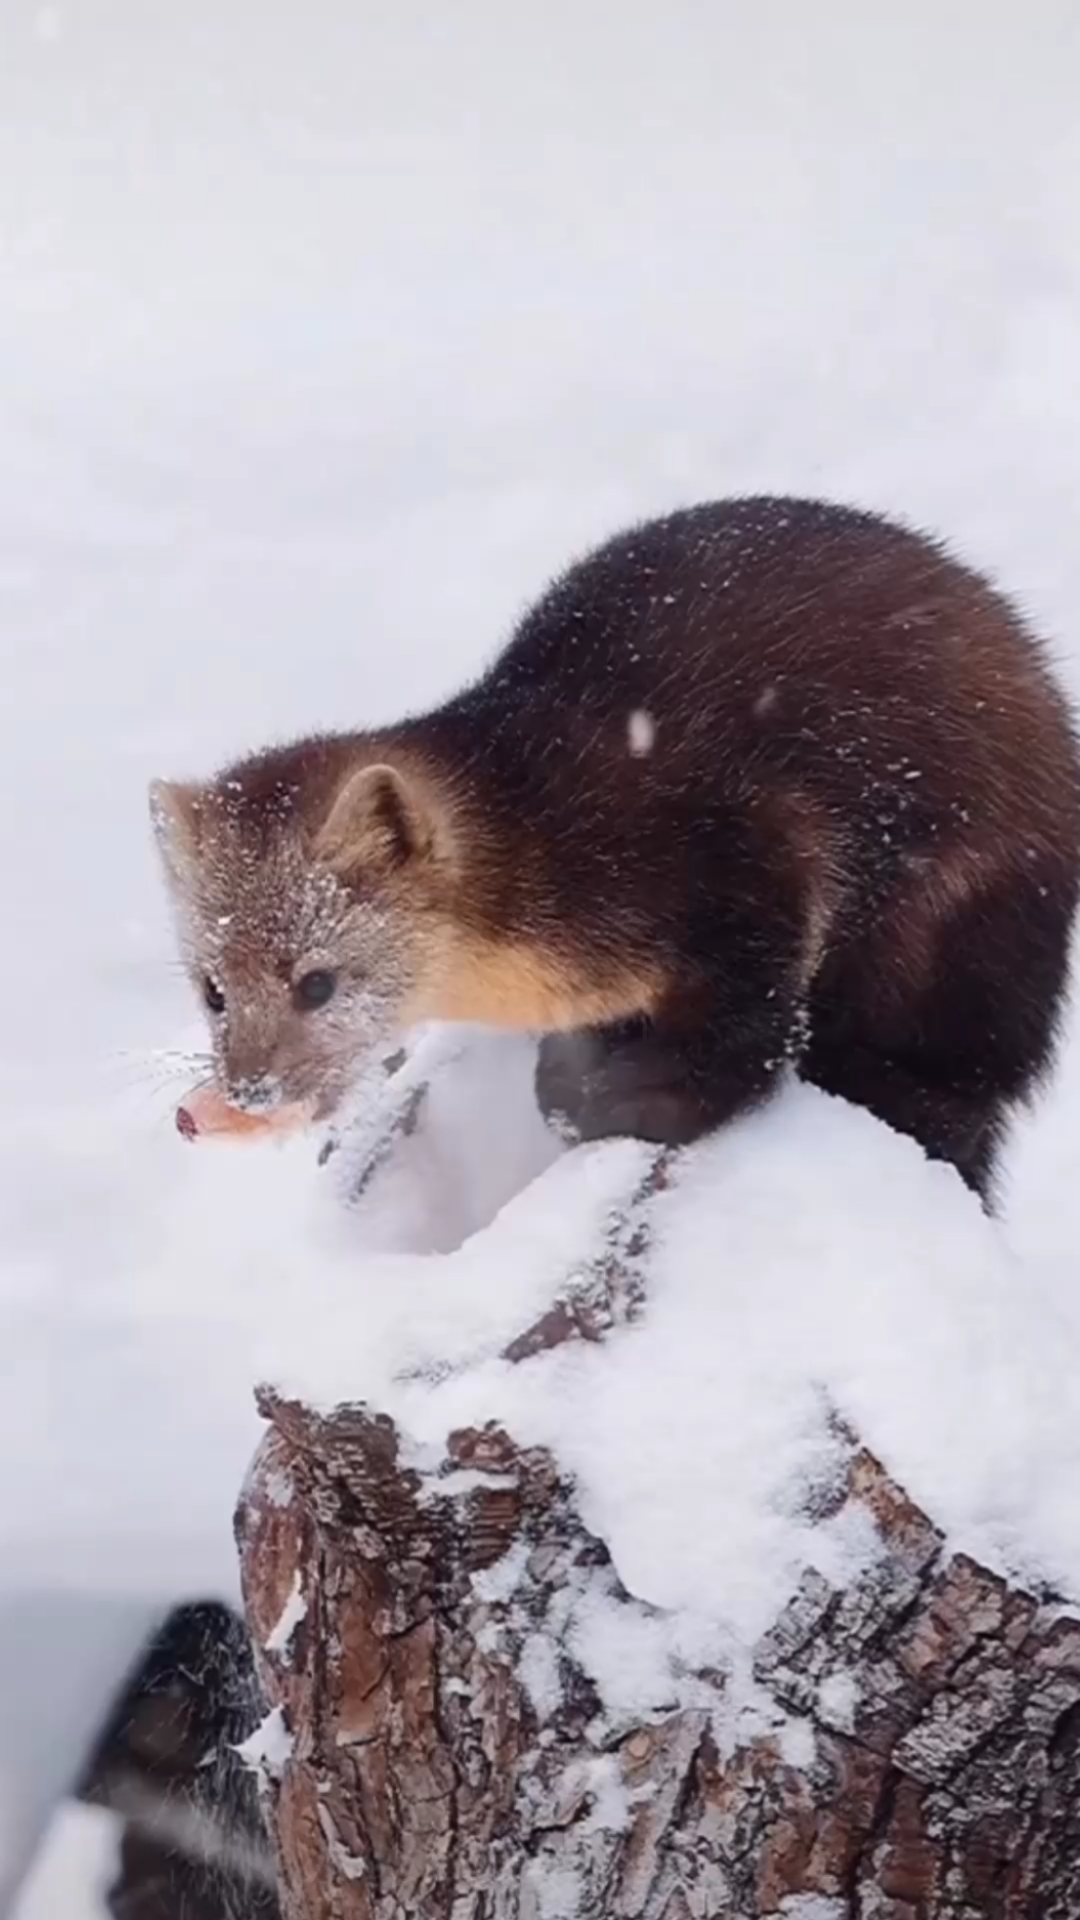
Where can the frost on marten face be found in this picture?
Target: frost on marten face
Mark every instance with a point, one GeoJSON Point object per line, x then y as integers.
{"type": "Point", "coordinates": [303, 964]}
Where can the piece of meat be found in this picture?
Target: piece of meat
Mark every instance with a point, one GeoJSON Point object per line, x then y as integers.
{"type": "Point", "coordinates": [207, 1112]}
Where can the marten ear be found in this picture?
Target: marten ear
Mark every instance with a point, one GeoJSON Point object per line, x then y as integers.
{"type": "Point", "coordinates": [174, 813]}
{"type": "Point", "coordinates": [378, 822]}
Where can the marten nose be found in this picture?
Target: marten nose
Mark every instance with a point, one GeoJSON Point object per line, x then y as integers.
{"type": "Point", "coordinates": [248, 1043]}
{"type": "Point", "coordinates": [254, 1092]}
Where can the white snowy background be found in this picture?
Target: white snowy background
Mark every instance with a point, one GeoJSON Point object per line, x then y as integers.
{"type": "Point", "coordinates": [325, 334]}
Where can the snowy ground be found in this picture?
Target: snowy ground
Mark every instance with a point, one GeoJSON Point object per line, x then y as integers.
{"type": "Point", "coordinates": [320, 346]}
{"type": "Point", "coordinates": [72, 1873]}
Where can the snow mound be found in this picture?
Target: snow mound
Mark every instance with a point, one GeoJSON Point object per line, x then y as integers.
{"type": "Point", "coordinates": [806, 1267]}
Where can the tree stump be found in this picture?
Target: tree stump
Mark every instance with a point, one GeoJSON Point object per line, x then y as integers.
{"type": "Point", "coordinates": [435, 1748]}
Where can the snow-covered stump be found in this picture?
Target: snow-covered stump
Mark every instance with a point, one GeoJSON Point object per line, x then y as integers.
{"type": "Point", "coordinates": [434, 1748]}
{"type": "Point", "coordinates": [441, 1758]}
{"type": "Point", "coordinates": [659, 1538]}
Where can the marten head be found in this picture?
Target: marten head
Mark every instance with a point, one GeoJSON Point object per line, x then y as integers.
{"type": "Point", "coordinates": [308, 886]}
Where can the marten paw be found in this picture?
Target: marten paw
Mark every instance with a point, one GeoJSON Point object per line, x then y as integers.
{"type": "Point", "coordinates": [592, 1087]}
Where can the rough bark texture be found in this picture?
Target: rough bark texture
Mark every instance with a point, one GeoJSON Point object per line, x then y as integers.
{"type": "Point", "coordinates": [938, 1772]}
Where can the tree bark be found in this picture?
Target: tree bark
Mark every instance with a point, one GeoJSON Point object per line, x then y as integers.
{"type": "Point", "coordinates": [422, 1775]}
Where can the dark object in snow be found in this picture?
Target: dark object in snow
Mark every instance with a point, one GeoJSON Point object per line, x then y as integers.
{"type": "Point", "coordinates": [768, 782]}
{"type": "Point", "coordinates": [935, 1768]}
{"type": "Point", "coordinates": [185, 1125]}
{"type": "Point", "coordinates": [194, 1844]}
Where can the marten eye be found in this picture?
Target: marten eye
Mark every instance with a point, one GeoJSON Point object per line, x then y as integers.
{"type": "Point", "coordinates": [315, 989]}
{"type": "Point", "coordinates": [213, 995]}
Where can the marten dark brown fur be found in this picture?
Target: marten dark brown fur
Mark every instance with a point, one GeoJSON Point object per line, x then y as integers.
{"type": "Point", "coordinates": [768, 781]}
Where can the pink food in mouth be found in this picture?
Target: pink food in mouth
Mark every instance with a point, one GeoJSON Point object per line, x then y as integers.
{"type": "Point", "coordinates": [207, 1112]}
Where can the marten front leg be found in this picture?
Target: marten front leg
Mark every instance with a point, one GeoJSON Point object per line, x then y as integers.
{"type": "Point", "coordinates": [668, 1080]}
{"type": "Point", "coordinates": [731, 1017]}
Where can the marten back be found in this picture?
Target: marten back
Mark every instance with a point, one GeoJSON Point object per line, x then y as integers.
{"type": "Point", "coordinates": [839, 679]}
{"type": "Point", "coordinates": [769, 720]}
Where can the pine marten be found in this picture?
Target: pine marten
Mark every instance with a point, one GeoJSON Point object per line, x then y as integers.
{"type": "Point", "coordinates": [766, 782]}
